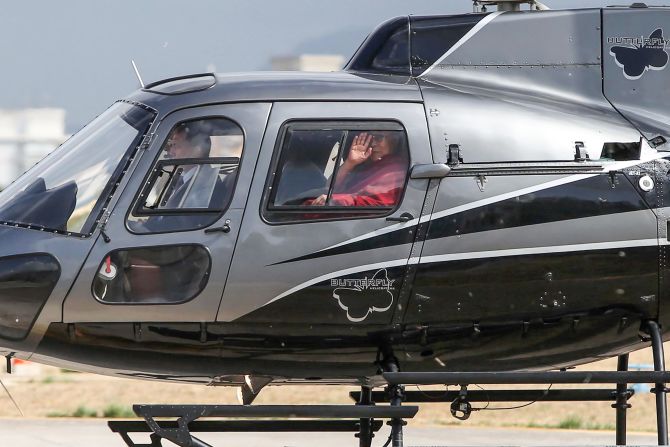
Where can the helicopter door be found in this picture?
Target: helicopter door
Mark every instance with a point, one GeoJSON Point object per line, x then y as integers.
{"type": "Point", "coordinates": [330, 224]}
{"type": "Point", "coordinates": [166, 247]}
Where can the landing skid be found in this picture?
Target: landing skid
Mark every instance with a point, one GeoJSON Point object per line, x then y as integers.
{"type": "Point", "coordinates": [365, 418]}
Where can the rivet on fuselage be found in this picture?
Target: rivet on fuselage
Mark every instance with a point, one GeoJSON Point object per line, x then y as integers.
{"type": "Point", "coordinates": [137, 330]}
{"type": "Point", "coordinates": [475, 329]}
{"type": "Point", "coordinates": [613, 180]}
{"type": "Point", "coordinates": [623, 323]}
{"type": "Point", "coordinates": [71, 332]}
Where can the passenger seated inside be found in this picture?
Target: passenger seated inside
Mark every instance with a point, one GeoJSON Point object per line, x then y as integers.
{"type": "Point", "coordinates": [196, 185]}
{"type": "Point", "coordinates": [373, 173]}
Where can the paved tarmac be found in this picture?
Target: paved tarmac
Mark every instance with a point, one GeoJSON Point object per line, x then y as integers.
{"type": "Point", "coordinates": [87, 433]}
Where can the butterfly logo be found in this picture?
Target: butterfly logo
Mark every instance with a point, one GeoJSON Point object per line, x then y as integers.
{"type": "Point", "coordinates": [638, 59]}
{"type": "Point", "coordinates": [360, 298]}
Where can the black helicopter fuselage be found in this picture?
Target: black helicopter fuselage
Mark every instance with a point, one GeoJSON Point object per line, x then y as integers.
{"type": "Point", "coordinates": [512, 211]}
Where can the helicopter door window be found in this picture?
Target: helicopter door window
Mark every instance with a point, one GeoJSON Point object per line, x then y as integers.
{"type": "Point", "coordinates": [152, 275]}
{"type": "Point", "coordinates": [193, 180]}
{"type": "Point", "coordinates": [338, 171]}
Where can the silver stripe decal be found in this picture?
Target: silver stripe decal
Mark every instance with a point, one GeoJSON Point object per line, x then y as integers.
{"type": "Point", "coordinates": [482, 23]}
{"type": "Point", "coordinates": [509, 195]}
{"type": "Point", "coordinates": [458, 209]}
{"type": "Point", "coordinates": [475, 255]}
{"type": "Point", "coordinates": [613, 166]}
{"type": "Point", "coordinates": [539, 250]}
{"type": "Point", "coordinates": [379, 232]}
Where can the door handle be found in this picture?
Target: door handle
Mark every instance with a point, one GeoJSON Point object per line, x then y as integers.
{"type": "Point", "coordinates": [404, 217]}
{"type": "Point", "coordinates": [223, 229]}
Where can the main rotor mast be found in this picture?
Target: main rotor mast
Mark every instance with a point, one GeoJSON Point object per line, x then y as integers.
{"type": "Point", "coordinates": [508, 5]}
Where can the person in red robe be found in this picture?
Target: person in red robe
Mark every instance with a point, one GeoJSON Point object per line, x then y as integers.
{"type": "Point", "coordinates": [373, 174]}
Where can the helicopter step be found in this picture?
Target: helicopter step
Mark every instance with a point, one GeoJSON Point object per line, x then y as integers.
{"type": "Point", "coordinates": [123, 428]}
{"type": "Point", "coordinates": [365, 420]}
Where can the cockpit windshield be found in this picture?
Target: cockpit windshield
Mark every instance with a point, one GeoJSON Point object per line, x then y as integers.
{"type": "Point", "coordinates": [66, 191]}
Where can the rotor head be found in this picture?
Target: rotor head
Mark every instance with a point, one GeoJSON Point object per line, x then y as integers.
{"type": "Point", "coordinates": [508, 5]}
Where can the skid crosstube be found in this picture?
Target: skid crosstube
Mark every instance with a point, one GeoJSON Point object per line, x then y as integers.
{"type": "Point", "coordinates": [527, 378]}
{"type": "Point", "coordinates": [545, 395]}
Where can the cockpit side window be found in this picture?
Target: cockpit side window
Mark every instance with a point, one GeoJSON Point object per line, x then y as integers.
{"type": "Point", "coordinates": [337, 170]}
{"type": "Point", "coordinates": [193, 180]}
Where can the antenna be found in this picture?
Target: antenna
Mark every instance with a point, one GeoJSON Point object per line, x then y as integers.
{"type": "Point", "coordinates": [137, 73]}
{"type": "Point", "coordinates": [509, 5]}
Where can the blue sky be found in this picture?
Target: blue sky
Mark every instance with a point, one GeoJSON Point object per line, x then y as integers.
{"type": "Point", "coordinates": [76, 54]}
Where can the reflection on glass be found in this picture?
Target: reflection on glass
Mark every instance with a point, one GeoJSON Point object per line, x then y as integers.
{"type": "Point", "coordinates": [63, 191]}
{"type": "Point", "coordinates": [152, 275]}
{"type": "Point", "coordinates": [307, 165]}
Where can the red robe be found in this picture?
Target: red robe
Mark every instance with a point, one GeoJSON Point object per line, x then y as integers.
{"type": "Point", "coordinates": [377, 183]}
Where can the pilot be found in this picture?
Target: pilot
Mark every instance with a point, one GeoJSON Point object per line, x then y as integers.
{"type": "Point", "coordinates": [373, 173]}
{"type": "Point", "coordinates": [196, 183]}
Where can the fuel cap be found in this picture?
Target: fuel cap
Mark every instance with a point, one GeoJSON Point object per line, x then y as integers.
{"type": "Point", "coordinates": [646, 183]}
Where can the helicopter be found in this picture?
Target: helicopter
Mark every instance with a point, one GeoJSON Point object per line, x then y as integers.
{"type": "Point", "coordinates": [458, 198]}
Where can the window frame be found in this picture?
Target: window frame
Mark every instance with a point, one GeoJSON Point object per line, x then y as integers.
{"type": "Point", "coordinates": [139, 209]}
{"type": "Point", "coordinates": [269, 211]}
{"type": "Point", "coordinates": [147, 182]}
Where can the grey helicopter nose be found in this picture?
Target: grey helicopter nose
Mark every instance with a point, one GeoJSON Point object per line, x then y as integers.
{"type": "Point", "coordinates": [26, 282]}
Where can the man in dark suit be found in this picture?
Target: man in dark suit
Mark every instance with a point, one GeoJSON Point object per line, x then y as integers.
{"type": "Point", "coordinates": [195, 184]}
